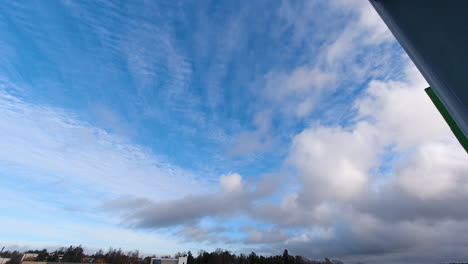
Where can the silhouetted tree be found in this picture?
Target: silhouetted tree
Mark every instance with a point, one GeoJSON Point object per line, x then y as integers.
{"type": "Point", "coordinates": [285, 257]}
{"type": "Point", "coordinates": [14, 256]}
{"type": "Point", "coordinates": [190, 258]}
{"type": "Point", "coordinates": [73, 254]}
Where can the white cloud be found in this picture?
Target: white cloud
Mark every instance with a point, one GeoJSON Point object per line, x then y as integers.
{"type": "Point", "coordinates": [407, 119]}
{"type": "Point", "coordinates": [338, 166]}
{"type": "Point", "coordinates": [368, 23]}
{"type": "Point", "coordinates": [231, 182]}
{"type": "Point", "coordinates": [367, 29]}
{"type": "Point", "coordinates": [300, 81]}
{"type": "Point", "coordinates": [53, 145]}
{"type": "Point", "coordinates": [339, 163]}
{"type": "Point", "coordinates": [435, 171]}
{"type": "Point", "coordinates": [343, 59]}
{"type": "Point", "coordinates": [334, 163]}
{"type": "Point", "coordinates": [402, 111]}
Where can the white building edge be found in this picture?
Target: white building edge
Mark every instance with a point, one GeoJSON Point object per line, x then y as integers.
{"type": "Point", "coordinates": [180, 260]}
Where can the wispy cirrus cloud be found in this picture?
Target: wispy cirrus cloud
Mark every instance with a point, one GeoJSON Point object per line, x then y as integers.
{"type": "Point", "coordinates": [59, 147]}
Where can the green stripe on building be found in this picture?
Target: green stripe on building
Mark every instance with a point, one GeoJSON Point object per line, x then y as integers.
{"type": "Point", "coordinates": [448, 118]}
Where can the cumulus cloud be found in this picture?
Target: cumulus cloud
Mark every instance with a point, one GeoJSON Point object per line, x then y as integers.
{"type": "Point", "coordinates": [402, 111]}
{"type": "Point", "coordinates": [231, 198]}
{"type": "Point", "coordinates": [334, 163]}
{"type": "Point", "coordinates": [187, 210]}
{"type": "Point", "coordinates": [418, 194]}
{"type": "Point", "coordinates": [436, 170]}
{"type": "Point", "coordinates": [370, 240]}
{"type": "Point", "coordinates": [291, 214]}
{"type": "Point", "coordinates": [231, 182]}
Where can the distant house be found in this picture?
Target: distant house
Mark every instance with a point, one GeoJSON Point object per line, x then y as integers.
{"type": "Point", "coordinates": [45, 262]}
{"type": "Point", "coordinates": [181, 260]}
{"type": "Point", "coordinates": [4, 260]}
{"type": "Point", "coordinates": [33, 262]}
{"type": "Point", "coordinates": [29, 257]}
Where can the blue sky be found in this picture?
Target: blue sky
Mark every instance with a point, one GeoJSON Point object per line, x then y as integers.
{"type": "Point", "coordinates": [170, 126]}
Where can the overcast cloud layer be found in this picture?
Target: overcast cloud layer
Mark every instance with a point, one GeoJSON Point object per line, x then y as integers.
{"type": "Point", "coordinates": [248, 126]}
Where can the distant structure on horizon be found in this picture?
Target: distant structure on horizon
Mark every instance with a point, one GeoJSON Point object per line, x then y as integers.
{"type": "Point", "coordinates": [29, 257]}
{"type": "Point", "coordinates": [180, 260]}
{"type": "Point", "coordinates": [434, 33]}
{"type": "Point", "coordinates": [54, 262]}
{"type": "Point", "coordinates": [4, 260]}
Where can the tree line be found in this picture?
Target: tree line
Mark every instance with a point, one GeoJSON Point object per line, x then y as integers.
{"type": "Point", "coordinates": [117, 256]}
